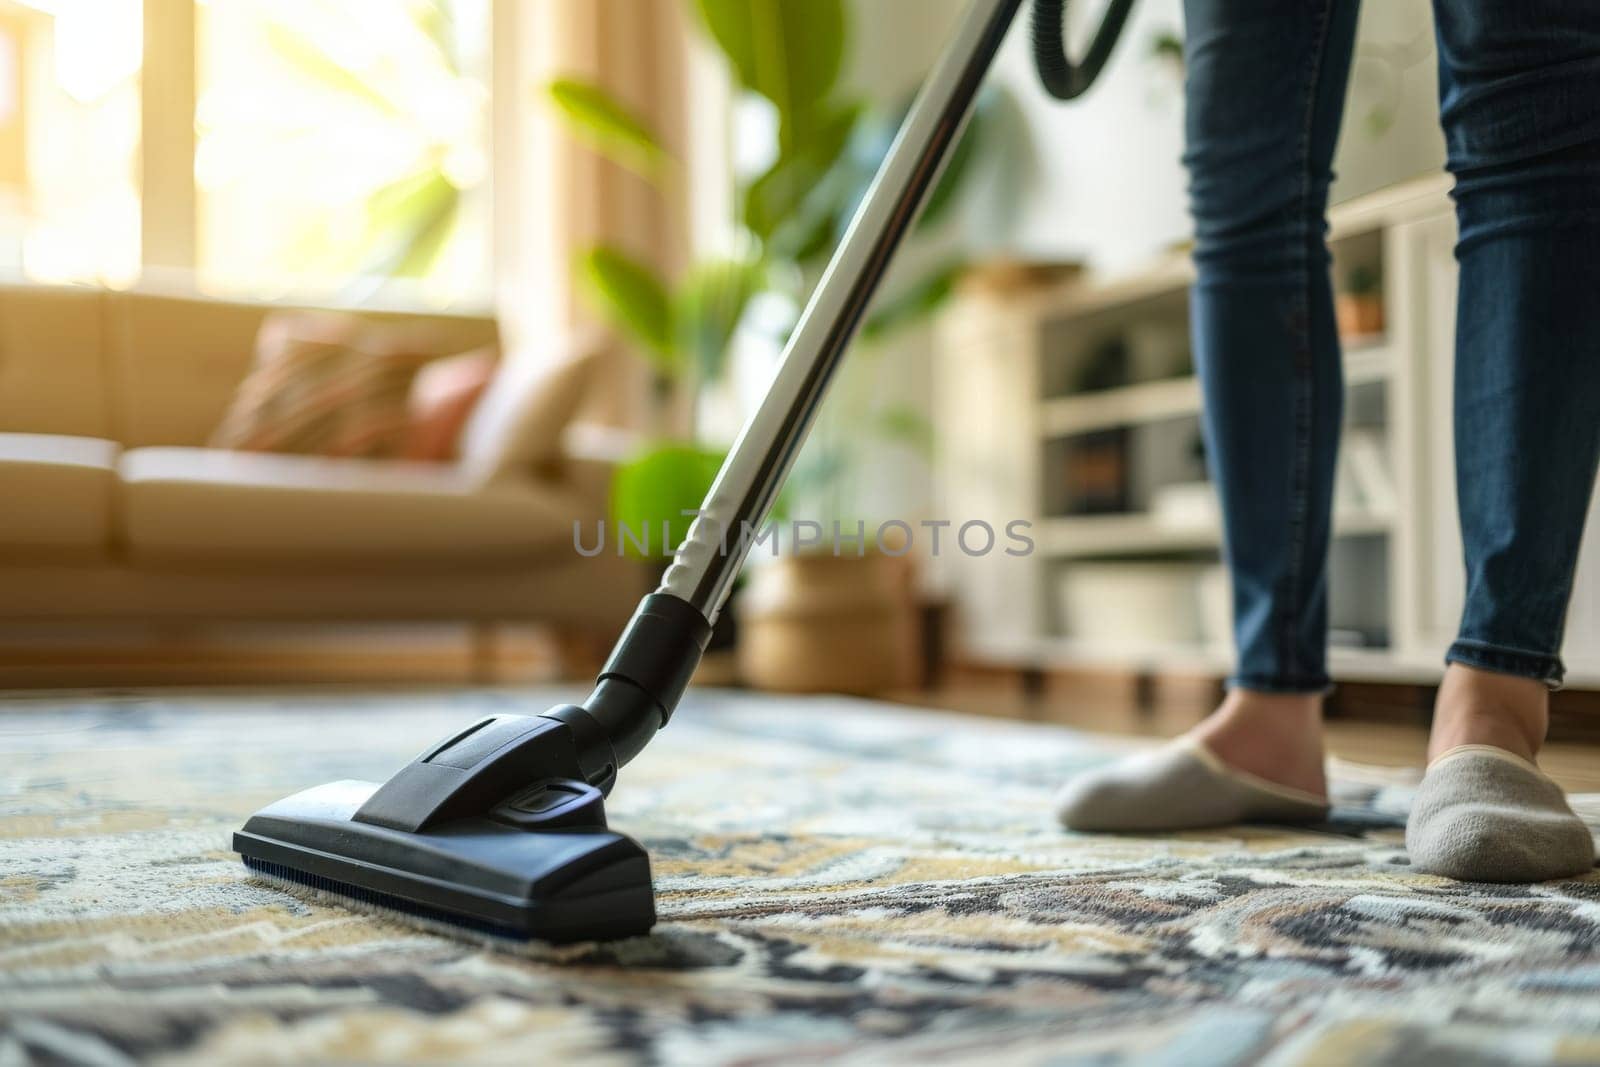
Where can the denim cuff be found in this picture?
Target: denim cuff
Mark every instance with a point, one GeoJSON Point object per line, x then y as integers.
{"type": "Point", "coordinates": [1536, 665]}
{"type": "Point", "coordinates": [1255, 683]}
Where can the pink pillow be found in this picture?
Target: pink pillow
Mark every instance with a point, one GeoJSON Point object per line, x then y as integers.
{"type": "Point", "coordinates": [443, 395]}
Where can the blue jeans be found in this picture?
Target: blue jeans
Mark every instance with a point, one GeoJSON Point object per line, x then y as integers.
{"type": "Point", "coordinates": [1520, 106]}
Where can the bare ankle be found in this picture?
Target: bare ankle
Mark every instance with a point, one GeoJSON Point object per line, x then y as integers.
{"type": "Point", "coordinates": [1478, 707]}
{"type": "Point", "coordinates": [1276, 736]}
{"type": "Point", "coordinates": [1296, 711]}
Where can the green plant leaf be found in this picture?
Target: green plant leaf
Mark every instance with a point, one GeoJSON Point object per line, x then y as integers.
{"type": "Point", "coordinates": [436, 22]}
{"type": "Point", "coordinates": [633, 297]}
{"type": "Point", "coordinates": [810, 226]}
{"type": "Point", "coordinates": [421, 247]}
{"type": "Point", "coordinates": [408, 223]}
{"type": "Point", "coordinates": [906, 425]}
{"type": "Point", "coordinates": [818, 467]}
{"type": "Point", "coordinates": [832, 203]}
{"type": "Point", "coordinates": [712, 302]}
{"type": "Point", "coordinates": [915, 302]}
{"type": "Point", "coordinates": [315, 64]}
{"type": "Point", "coordinates": [656, 487]}
{"type": "Point", "coordinates": [809, 235]}
{"type": "Point", "coordinates": [1362, 280]}
{"type": "Point", "coordinates": [789, 51]}
{"type": "Point", "coordinates": [779, 193]}
{"type": "Point", "coordinates": [1167, 45]}
{"type": "Point", "coordinates": [957, 170]}
{"type": "Point", "coordinates": [608, 125]}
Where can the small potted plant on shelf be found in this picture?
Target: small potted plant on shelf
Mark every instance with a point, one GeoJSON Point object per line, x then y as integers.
{"type": "Point", "coordinates": [1358, 307]}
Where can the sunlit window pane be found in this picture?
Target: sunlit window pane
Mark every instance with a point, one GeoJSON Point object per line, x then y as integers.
{"type": "Point", "coordinates": [69, 139]}
{"type": "Point", "coordinates": [343, 148]}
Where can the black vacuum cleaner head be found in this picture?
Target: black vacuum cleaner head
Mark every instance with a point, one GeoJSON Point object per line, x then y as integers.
{"type": "Point", "coordinates": [460, 836]}
{"type": "Point", "coordinates": [486, 874]}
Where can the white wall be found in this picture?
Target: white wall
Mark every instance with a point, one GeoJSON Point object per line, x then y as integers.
{"type": "Point", "coordinates": [1097, 180]}
{"type": "Point", "coordinates": [893, 44]}
{"type": "Point", "coordinates": [1104, 183]}
{"type": "Point", "coordinates": [1394, 77]}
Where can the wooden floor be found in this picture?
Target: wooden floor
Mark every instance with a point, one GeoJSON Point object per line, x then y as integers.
{"type": "Point", "coordinates": [1380, 725]}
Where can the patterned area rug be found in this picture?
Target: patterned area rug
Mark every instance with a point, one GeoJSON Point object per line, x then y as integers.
{"type": "Point", "coordinates": [839, 882]}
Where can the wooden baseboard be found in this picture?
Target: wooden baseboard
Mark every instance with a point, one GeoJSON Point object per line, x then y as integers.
{"type": "Point", "coordinates": [1574, 713]}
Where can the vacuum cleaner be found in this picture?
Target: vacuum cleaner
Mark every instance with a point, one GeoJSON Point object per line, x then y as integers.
{"type": "Point", "coordinates": [501, 827]}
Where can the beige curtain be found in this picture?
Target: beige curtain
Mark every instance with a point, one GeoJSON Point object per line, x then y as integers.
{"type": "Point", "coordinates": [554, 196]}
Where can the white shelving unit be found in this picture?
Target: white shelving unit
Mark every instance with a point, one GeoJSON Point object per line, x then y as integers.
{"type": "Point", "coordinates": [1365, 361]}
{"type": "Point", "coordinates": [1006, 402]}
{"type": "Point", "coordinates": [1093, 536]}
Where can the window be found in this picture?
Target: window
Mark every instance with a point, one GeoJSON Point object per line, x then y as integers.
{"type": "Point", "coordinates": [342, 149]}
{"type": "Point", "coordinates": [69, 139]}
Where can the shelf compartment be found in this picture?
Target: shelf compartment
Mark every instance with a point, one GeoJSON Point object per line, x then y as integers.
{"type": "Point", "coordinates": [1109, 408]}
{"type": "Point", "coordinates": [1174, 397]}
{"type": "Point", "coordinates": [1087, 536]}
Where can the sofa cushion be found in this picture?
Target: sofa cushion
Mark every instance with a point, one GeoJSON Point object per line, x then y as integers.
{"type": "Point", "coordinates": [517, 425]}
{"type": "Point", "coordinates": [196, 504]}
{"type": "Point", "coordinates": [56, 492]}
{"type": "Point", "coordinates": [53, 373]}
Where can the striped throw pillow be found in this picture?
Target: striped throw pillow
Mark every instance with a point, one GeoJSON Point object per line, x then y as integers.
{"type": "Point", "coordinates": [324, 385]}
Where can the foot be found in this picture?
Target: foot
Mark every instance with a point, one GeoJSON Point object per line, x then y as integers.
{"type": "Point", "coordinates": [1484, 814]}
{"type": "Point", "coordinates": [1484, 811]}
{"type": "Point", "coordinates": [1257, 758]}
{"type": "Point", "coordinates": [1476, 707]}
{"type": "Point", "coordinates": [1274, 736]}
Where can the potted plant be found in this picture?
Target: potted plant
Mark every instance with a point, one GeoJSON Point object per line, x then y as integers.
{"type": "Point", "coordinates": [1358, 308]}
{"type": "Point", "coordinates": [791, 214]}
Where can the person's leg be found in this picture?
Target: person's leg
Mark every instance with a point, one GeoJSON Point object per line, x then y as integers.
{"type": "Point", "coordinates": [1518, 107]}
{"type": "Point", "coordinates": [1266, 85]}
{"type": "Point", "coordinates": [1518, 103]}
{"type": "Point", "coordinates": [1265, 92]}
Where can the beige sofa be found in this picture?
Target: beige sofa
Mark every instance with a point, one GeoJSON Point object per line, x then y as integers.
{"type": "Point", "coordinates": [111, 508]}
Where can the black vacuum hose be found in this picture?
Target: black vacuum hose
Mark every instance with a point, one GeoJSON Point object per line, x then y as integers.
{"type": "Point", "coordinates": [1063, 78]}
